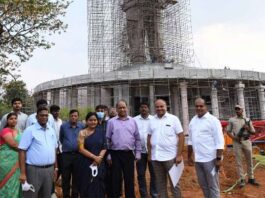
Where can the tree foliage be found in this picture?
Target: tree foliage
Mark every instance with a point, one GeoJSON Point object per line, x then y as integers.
{"type": "Point", "coordinates": [64, 113]}
{"type": "Point", "coordinates": [15, 89]}
{"type": "Point", "coordinates": [24, 26]}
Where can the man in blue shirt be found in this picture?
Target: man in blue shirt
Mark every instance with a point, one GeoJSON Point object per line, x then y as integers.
{"type": "Point", "coordinates": [32, 118]}
{"type": "Point", "coordinates": [68, 137]}
{"type": "Point", "coordinates": [37, 160]}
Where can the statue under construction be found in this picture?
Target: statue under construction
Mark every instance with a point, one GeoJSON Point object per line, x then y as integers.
{"type": "Point", "coordinates": [129, 32]}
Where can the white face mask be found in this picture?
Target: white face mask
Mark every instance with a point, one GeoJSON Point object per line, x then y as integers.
{"type": "Point", "coordinates": [94, 170]}
{"type": "Point", "coordinates": [26, 187]}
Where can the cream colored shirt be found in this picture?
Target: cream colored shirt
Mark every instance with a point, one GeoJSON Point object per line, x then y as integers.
{"type": "Point", "coordinates": [236, 123]}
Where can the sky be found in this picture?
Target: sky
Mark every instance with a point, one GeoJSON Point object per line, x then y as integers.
{"type": "Point", "coordinates": [226, 33]}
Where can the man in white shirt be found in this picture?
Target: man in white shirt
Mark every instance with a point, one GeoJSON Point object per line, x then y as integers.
{"type": "Point", "coordinates": [142, 122]}
{"type": "Point", "coordinates": [21, 117]}
{"type": "Point", "coordinates": [165, 145]}
{"type": "Point", "coordinates": [55, 111]}
{"type": "Point", "coordinates": [207, 141]}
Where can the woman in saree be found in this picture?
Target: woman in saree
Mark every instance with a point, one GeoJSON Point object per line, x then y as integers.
{"type": "Point", "coordinates": [9, 167]}
{"type": "Point", "coordinates": [92, 148]}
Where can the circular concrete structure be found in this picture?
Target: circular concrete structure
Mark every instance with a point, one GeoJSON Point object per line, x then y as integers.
{"type": "Point", "coordinates": [178, 85]}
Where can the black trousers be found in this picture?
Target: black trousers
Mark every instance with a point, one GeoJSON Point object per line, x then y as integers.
{"type": "Point", "coordinates": [122, 163]}
{"type": "Point", "coordinates": [108, 182]}
{"type": "Point", "coordinates": [69, 171]}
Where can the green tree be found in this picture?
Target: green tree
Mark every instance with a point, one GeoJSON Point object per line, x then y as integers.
{"type": "Point", "coordinates": [4, 108]}
{"type": "Point", "coordinates": [64, 113]}
{"type": "Point", "coordinates": [24, 26]}
{"type": "Point", "coordinates": [15, 89]}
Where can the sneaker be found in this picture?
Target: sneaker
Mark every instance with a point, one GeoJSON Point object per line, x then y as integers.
{"type": "Point", "coordinates": [242, 183]}
{"type": "Point", "coordinates": [253, 182]}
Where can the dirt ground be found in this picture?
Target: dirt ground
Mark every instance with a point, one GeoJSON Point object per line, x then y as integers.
{"type": "Point", "coordinates": [228, 176]}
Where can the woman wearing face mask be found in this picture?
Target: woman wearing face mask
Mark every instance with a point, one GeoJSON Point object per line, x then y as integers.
{"type": "Point", "coordinates": [9, 166]}
{"type": "Point", "coordinates": [92, 146]}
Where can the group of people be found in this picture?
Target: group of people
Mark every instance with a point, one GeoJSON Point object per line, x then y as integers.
{"type": "Point", "coordinates": [96, 157]}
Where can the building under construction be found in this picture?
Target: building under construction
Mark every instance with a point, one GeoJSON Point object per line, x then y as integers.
{"type": "Point", "coordinates": [141, 50]}
{"type": "Point", "coordinates": [124, 33]}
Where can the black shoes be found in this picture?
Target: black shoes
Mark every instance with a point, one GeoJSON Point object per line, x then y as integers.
{"type": "Point", "coordinates": [253, 182]}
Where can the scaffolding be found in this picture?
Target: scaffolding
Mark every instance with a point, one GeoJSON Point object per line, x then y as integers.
{"type": "Point", "coordinates": [129, 32]}
{"type": "Point", "coordinates": [129, 44]}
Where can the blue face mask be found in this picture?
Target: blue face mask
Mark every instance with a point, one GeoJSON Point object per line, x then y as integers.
{"type": "Point", "coordinates": [100, 115]}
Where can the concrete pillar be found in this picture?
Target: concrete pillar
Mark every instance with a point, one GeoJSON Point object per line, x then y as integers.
{"type": "Point", "coordinates": [97, 95]}
{"type": "Point", "coordinates": [184, 105]}
{"type": "Point", "coordinates": [105, 96]}
{"type": "Point", "coordinates": [72, 97]}
{"type": "Point", "coordinates": [117, 91]}
{"type": "Point", "coordinates": [82, 97]}
{"type": "Point", "coordinates": [68, 97]}
{"type": "Point", "coordinates": [240, 95]}
{"type": "Point", "coordinates": [52, 97]}
{"type": "Point", "coordinates": [261, 101]}
{"type": "Point", "coordinates": [152, 99]}
{"type": "Point", "coordinates": [56, 97]}
{"type": "Point", "coordinates": [91, 96]}
{"type": "Point", "coordinates": [214, 98]}
{"type": "Point", "coordinates": [49, 97]}
{"type": "Point", "coordinates": [62, 97]}
{"type": "Point", "coordinates": [126, 95]}
{"type": "Point", "coordinates": [175, 98]}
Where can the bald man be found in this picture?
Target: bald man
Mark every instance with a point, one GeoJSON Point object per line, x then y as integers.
{"type": "Point", "coordinates": [165, 145]}
{"type": "Point", "coordinates": [207, 141]}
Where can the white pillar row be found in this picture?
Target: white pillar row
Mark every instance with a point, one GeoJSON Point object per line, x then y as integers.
{"type": "Point", "coordinates": [240, 95]}
{"type": "Point", "coordinates": [152, 99]}
{"type": "Point", "coordinates": [184, 105]}
{"type": "Point", "coordinates": [214, 98]}
{"type": "Point", "coordinates": [261, 101]}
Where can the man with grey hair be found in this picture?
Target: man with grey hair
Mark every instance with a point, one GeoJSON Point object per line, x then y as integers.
{"type": "Point", "coordinates": [124, 145]}
{"type": "Point", "coordinates": [207, 141]}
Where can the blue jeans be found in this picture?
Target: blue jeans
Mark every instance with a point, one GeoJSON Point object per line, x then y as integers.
{"type": "Point", "coordinates": [141, 166]}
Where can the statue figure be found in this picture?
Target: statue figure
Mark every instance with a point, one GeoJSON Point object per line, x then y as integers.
{"type": "Point", "coordinates": [143, 19]}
